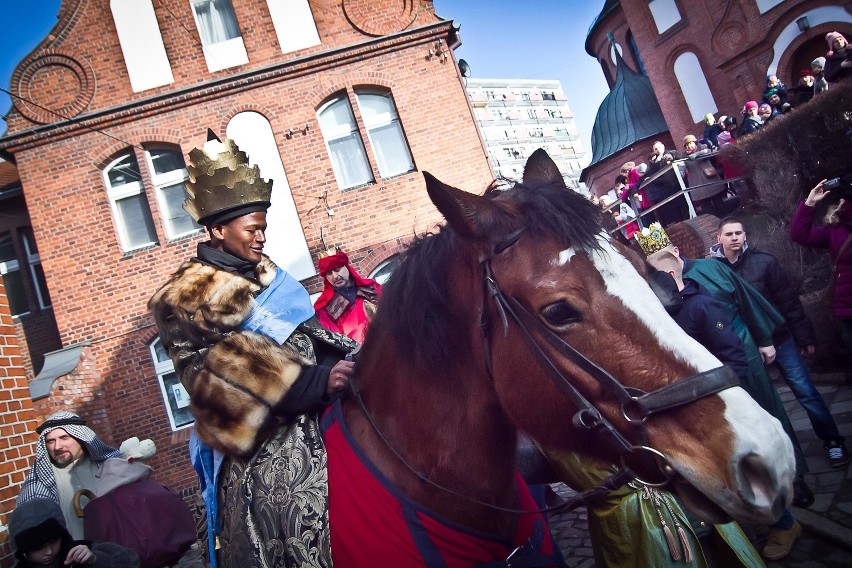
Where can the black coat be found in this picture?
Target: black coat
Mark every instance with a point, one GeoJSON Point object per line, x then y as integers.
{"type": "Point", "coordinates": [834, 71]}
{"type": "Point", "coordinates": [707, 322]}
{"type": "Point", "coordinates": [750, 124]}
{"type": "Point", "coordinates": [764, 272]}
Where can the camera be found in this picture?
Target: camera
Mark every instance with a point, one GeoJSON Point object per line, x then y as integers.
{"type": "Point", "coordinates": [840, 186]}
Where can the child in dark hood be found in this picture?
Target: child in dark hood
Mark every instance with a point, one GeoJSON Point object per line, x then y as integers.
{"type": "Point", "coordinates": [39, 538]}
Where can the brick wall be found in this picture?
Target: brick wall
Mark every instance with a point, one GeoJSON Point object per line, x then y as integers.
{"type": "Point", "coordinates": [100, 292]}
{"type": "Point", "coordinates": [17, 423]}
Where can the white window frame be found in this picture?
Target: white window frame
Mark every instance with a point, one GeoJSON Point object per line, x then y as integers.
{"type": "Point", "coordinates": [221, 54]}
{"type": "Point", "coordinates": [163, 368]}
{"type": "Point", "coordinates": [330, 133]}
{"type": "Point", "coordinates": [389, 118]}
{"type": "Point", "coordinates": [13, 265]}
{"type": "Point", "coordinates": [665, 14]}
{"type": "Point", "coordinates": [164, 180]}
{"type": "Point", "coordinates": [34, 260]}
{"type": "Point", "coordinates": [116, 194]}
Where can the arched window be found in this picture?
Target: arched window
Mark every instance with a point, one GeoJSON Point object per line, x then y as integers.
{"type": "Point", "coordinates": [385, 133]}
{"type": "Point", "coordinates": [175, 396]}
{"type": "Point", "coordinates": [345, 147]}
{"type": "Point", "coordinates": [285, 238]}
{"type": "Point", "coordinates": [168, 173]}
{"type": "Point", "coordinates": [694, 86]}
{"type": "Point", "coordinates": [128, 201]}
{"type": "Point", "coordinates": [385, 269]}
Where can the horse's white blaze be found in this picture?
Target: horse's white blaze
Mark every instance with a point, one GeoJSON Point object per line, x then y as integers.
{"type": "Point", "coordinates": [756, 431]}
{"type": "Point", "coordinates": [565, 256]}
{"type": "Point", "coordinates": [623, 282]}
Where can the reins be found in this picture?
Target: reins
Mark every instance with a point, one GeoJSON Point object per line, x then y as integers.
{"type": "Point", "coordinates": [636, 405]}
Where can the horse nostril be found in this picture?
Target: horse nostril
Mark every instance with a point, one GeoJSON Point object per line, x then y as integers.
{"type": "Point", "coordinates": [756, 484]}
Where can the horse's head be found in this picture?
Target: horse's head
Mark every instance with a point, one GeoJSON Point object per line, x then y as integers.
{"type": "Point", "coordinates": [550, 281]}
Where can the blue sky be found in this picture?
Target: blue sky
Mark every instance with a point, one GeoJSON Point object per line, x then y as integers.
{"type": "Point", "coordinates": [505, 39]}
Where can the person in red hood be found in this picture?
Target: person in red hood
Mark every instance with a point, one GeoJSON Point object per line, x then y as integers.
{"type": "Point", "coordinates": [348, 301]}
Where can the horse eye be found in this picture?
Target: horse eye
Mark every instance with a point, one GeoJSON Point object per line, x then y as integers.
{"type": "Point", "coordinates": [561, 313]}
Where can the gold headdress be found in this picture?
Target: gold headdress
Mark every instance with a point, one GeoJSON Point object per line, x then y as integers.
{"type": "Point", "coordinates": [653, 239]}
{"type": "Point", "coordinates": [222, 185]}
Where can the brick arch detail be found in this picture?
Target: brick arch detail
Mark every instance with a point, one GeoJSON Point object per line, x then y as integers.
{"type": "Point", "coordinates": [137, 137]}
{"type": "Point", "coordinates": [68, 19]}
{"type": "Point", "coordinates": [347, 81]}
{"type": "Point", "coordinates": [262, 110]}
{"type": "Point", "coordinates": [817, 31]}
{"type": "Point", "coordinates": [381, 253]}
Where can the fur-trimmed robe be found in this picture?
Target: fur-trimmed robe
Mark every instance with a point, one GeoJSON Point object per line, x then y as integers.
{"type": "Point", "coordinates": [257, 402]}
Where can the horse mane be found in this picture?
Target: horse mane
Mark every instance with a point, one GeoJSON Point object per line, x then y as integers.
{"type": "Point", "coordinates": [415, 308]}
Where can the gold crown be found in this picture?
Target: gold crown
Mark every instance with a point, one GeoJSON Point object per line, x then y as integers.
{"type": "Point", "coordinates": [330, 251]}
{"type": "Point", "coordinates": [653, 239]}
{"type": "Point", "coordinates": [221, 180]}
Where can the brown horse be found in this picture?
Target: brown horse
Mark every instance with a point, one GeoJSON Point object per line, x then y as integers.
{"type": "Point", "coordinates": [513, 316]}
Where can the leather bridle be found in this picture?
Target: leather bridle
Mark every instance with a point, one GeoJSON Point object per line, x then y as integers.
{"type": "Point", "coordinates": [637, 406]}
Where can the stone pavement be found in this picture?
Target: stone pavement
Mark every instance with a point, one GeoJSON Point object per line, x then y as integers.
{"type": "Point", "coordinates": [826, 541]}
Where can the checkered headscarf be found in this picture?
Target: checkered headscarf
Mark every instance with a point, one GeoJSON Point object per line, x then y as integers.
{"type": "Point", "coordinates": [41, 483]}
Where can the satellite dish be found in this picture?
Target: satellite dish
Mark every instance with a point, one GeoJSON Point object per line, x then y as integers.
{"type": "Point", "coordinates": [464, 68]}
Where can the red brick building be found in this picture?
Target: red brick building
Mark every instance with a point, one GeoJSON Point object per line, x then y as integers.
{"type": "Point", "coordinates": [699, 57]}
{"type": "Point", "coordinates": [342, 103]}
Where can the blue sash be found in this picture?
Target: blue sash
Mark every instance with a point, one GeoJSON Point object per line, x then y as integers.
{"type": "Point", "coordinates": [279, 309]}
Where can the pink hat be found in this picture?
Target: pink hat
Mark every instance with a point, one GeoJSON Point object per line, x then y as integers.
{"type": "Point", "coordinates": [749, 105]}
{"type": "Point", "coordinates": [830, 38]}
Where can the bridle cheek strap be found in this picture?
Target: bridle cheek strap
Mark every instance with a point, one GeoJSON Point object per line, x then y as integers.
{"type": "Point", "coordinates": [636, 404]}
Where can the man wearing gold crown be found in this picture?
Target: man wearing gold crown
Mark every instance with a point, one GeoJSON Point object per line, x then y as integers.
{"type": "Point", "coordinates": [244, 341]}
{"type": "Point", "coordinates": [754, 319]}
{"type": "Point", "coordinates": [348, 301]}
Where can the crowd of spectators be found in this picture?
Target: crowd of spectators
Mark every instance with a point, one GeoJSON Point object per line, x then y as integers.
{"type": "Point", "coordinates": [713, 186]}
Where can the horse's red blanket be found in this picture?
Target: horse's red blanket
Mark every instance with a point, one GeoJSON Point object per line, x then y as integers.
{"type": "Point", "coordinates": [373, 524]}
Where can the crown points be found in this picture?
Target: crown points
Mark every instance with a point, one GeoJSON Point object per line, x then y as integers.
{"type": "Point", "coordinates": [653, 238]}
{"type": "Point", "coordinates": [221, 179]}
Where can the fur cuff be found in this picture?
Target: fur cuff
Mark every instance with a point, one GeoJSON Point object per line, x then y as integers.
{"type": "Point", "coordinates": [244, 377]}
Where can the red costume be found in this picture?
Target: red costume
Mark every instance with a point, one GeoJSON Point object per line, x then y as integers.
{"type": "Point", "coordinates": [361, 499]}
{"type": "Point", "coordinates": [338, 313]}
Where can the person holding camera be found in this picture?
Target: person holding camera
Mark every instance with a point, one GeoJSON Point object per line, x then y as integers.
{"type": "Point", "coordinates": [836, 236]}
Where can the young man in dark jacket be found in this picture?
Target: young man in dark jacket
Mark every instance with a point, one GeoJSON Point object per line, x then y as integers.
{"type": "Point", "coordinates": [764, 272]}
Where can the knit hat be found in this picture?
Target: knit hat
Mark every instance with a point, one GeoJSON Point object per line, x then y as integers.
{"type": "Point", "coordinates": [819, 63]}
{"type": "Point", "coordinates": [805, 73]}
{"type": "Point", "coordinates": [689, 138]}
{"type": "Point", "coordinates": [830, 38]}
{"type": "Point", "coordinates": [750, 105]}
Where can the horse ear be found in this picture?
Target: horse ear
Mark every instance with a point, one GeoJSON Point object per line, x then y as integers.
{"type": "Point", "coordinates": [541, 170]}
{"type": "Point", "coordinates": [460, 208]}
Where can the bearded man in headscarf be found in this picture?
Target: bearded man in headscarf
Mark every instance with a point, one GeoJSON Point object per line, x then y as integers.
{"type": "Point", "coordinates": [68, 457]}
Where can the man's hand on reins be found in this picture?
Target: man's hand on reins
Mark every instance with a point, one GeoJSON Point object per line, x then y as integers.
{"type": "Point", "coordinates": [338, 378]}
